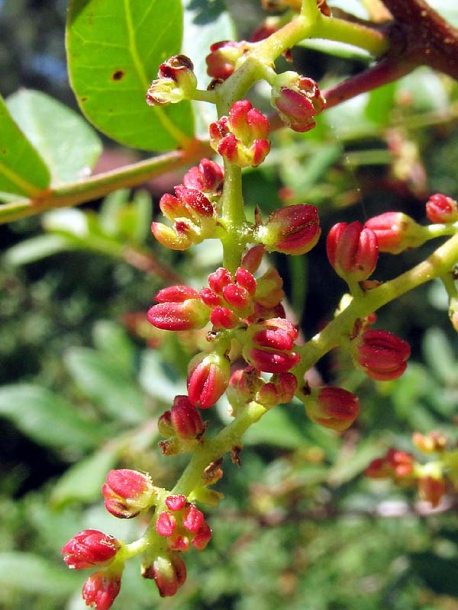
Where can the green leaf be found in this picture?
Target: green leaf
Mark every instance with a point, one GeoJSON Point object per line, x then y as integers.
{"type": "Point", "coordinates": [67, 143]}
{"type": "Point", "coordinates": [22, 170]}
{"type": "Point", "coordinates": [47, 419]}
{"type": "Point", "coordinates": [35, 249]}
{"type": "Point", "coordinates": [114, 51]}
{"type": "Point", "coordinates": [275, 428]}
{"type": "Point", "coordinates": [83, 481]}
{"type": "Point", "coordinates": [30, 573]}
{"type": "Point", "coordinates": [107, 384]}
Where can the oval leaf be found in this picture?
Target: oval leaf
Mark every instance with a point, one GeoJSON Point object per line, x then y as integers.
{"type": "Point", "coordinates": [22, 170]}
{"type": "Point", "coordinates": [47, 419]}
{"type": "Point", "coordinates": [27, 572]}
{"type": "Point", "coordinates": [114, 51]}
{"type": "Point", "coordinates": [68, 144]}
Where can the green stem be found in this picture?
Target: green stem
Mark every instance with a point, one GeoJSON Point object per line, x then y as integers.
{"type": "Point", "coordinates": [339, 30]}
{"type": "Point", "coordinates": [213, 449]}
{"type": "Point", "coordinates": [436, 265]}
{"type": "Point", "coordinates": [100, 185]}
{"type": "Point", "coordinates": [232, 217]}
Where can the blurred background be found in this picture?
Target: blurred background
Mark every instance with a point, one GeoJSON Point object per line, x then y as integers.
{"type": "Point", "coordinates": [83, 378]}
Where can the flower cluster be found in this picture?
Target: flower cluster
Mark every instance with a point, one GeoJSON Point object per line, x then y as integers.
{"type": "Point", "coordinates": [193, 210]}
{"type": "Point", "coordinates": [127, 493]}
{"type": "Point", "coordinates": [242, 137]}
{"type": "Point", "coordinates": [431, 478]}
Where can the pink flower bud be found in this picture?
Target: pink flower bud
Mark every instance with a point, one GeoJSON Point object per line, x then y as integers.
{"type": "Point", "coordinates": [179, 308]}
{"type": "Point", "coordinates": [169, 573]}
{"type": "Point", "coordinates": [269, 344]}
{"type": "Point", "coordinates": [176, 81]}
{"type": "Point", "coordinates": [208, 376]}
{"type": "Point", "coordinates": [127, 493]}
{"type": "Point", "coordinates": [333, 408]}
{"type": "Point", "coordinates": [269, 290]}
{"type": "Point", "coordinates": [202, 537]}
{"type": "Point", "coordinates": [441, 209]}
{"type": "Point", "coordinates": [396, 232]}
{"type": "Point", "coordinates": [176, 502]}
{"type": "Point", "coordinates": [176, 238]}
{"type": "Point", "coordinates": [298, 100]}
{"type": "Point", "coordinates": [89, 549]}
{"type": "Point", "coordinates": [242, 137]}
{"type": "Point", "coordinates": [166, 524]}
{"type": "Point", "coordinates": [243, 385]}
{"type": "Point", "coordinates": [101, 589]}
{"type": "Point", "coordinates": [223, 57]}
{"type": "Point", "coordinates": [380, 354]}
{"type": "Point", "coordinates": [294, 229]}
{"type": "Point", "coordinates": [207, 177]}
{"type": "Point", "coordinates": [193, 518]}
{"type": "Point", "coordinates": [186, 419]}
{"type": "Point", "coordinates": [352, 251]}
{"type": "Point", "coordinates": [222, 317]}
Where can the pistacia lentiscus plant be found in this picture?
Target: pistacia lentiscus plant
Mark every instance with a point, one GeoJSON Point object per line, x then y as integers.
{"type": "Point", "coordinates": [254, 353]}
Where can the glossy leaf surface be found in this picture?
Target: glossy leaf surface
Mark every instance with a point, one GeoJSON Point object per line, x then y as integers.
{"type": "Point", "coordinates": [114, 51]}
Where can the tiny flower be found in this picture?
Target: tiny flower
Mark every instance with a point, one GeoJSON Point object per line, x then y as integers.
{"type": "Point", "coordinates": [101, 589]}
{"type": "Point", "coordinates": [127, 493]}
{"type": "Point", "coordinates": [242, 137]}
{"type": "Point", "coordinates": [168, 571]}
{"type": "Point", "coordinates": [166, 524]}
{"type": "Point", "coordinates": [243, 385]}
{"type": "Point", "coordinates": [223, 58]}
{"type": "Point", "coordinates": [294, 229]}
{"type": "Point", "coordinates": [179, 308]}
{"type": "Point", "coordinates": [269, 345]}
{"type": "Point", "coordinates": [298, 100]}
{"type": "Point", "coordinates": [441, 209]}
{"type": "Point", "coordinates": [269, 289]}
{"type": "Point", "coordinates": [396, 232]}
{"type": "Point", "coordinates": [176, 81]}
{"type": "Point", "coordinates": [208, 178]}
{"type": "Point", "coordinates": [89, 549]}
{"type": "Point", "coordinates": [331, 407]}
{"type": "Point", "coordinates": [352, 250]}
{"type": "Point", "coordinates": [208, 376]}
{"type": "Point", "coordinates": [253, 258]}
{"type": "Point", "coordinates": [380, 354]}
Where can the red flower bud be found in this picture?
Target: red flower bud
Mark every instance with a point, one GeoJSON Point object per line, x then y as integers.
{"type": "Point", "coordinates": [127, 493]}
{"type": "Point", "coordinates": [294, 229]}
{"type": "Point", "coordinates": [396, 232]}
{"type": "Point", "coordinates": [269, 344]}
{"type": "Point", "coordinates": [298, 100]}
{"type": "Point", "coordinates": [380, 354]}
{"type": "Point", "coordinates": [441, 209]}
{"type": "Point", "coordinates": [396, 464]}
{"type": "Point", "coordinates": [176, 81]}
{"type": "Point", "coordinates": [223, 57]}
{"type": "Point", "coordinates": [186, 419]}
{"type": "Point", "coordinates": [89, 549]}
{"type": "Point", "coordinates": [176, 502]}
{"type": "Point", "coordinates": [101, 589]}
{"type": "Point", "coordinates": [279, 390]}
{"type": "Point", "coordinates": [207, 177]}
{"type": "Point", "coordinates": [253, 258]}
{"type": "Point", "coordinates": [168, 571]}
{"type": "Point", "coordinates": [243, 385]}
{"type": "Point", "coordinates": [434, 442]}
{"type": "Point", "coordinates": [242, 137]}
{"type": "Point", "coordinates": [431, 489]}
{"type": "Point", "coordinates": [352, 251]}
{"type": "Point", "coordinates": [222, 317]}
{"type": "Point", "coordinates": [208, 376]}
{"type": "Point", "coordinates": [166, 524]}
{"type": "Point", "coordinates": [330, 407]}
{"type": "Point", "coordinates": [179, 308]}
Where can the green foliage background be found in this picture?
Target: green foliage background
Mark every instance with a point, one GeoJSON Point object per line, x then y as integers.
{"type": "Point", "coordinates": [300, 527]}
